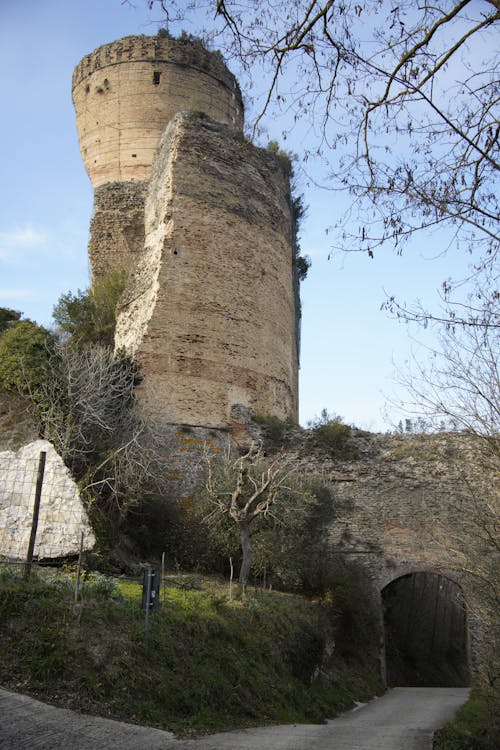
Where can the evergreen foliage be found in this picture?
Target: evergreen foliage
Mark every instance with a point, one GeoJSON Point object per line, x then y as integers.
{"type": "Point", "coordinates": [8, 318]}
{"type": "Point", "coordinates": [299, 512]}
{"type": "Point", "coordinates": [274, 430]}
{"type": "Point", "coordinates": [330, 432]}
{"type": "Point", "coordinates": [25, 358]}
{"type": "Point", "coordinates": [89, 316]}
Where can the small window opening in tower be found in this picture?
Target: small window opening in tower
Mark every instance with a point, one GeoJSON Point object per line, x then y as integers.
{"type": "Point", "coordinates": [156, 77]}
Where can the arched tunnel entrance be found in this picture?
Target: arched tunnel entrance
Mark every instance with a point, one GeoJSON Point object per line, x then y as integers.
{"type": "Point", "coordinates": [425, 626]}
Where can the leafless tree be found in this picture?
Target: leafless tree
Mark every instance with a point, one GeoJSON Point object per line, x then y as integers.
{"type": "Point", "coordinates": [246, 488]}
{"type": "Point", "coordinates": [457, 383]}
{"type": "Point", "coordinates": [402, 99]}
{"type": "Point", "coordinates": [459, 389]}
{"type": "Point", "coordinates": [87, 410]}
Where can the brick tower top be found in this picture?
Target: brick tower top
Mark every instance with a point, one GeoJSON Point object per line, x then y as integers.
{"type": "Point", "coordinates": [127, 91]}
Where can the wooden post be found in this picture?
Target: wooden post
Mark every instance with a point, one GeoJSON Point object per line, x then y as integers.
{"type": "Point", "coordinates": [79, 571]}
{"type": "Point", "coordinates": [148, 604]}
{"type": "Point", "coordinates": [163, 583]}
{"type": "Point", "coordinates": [36, 511]}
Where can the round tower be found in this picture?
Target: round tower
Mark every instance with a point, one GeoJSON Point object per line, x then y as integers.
{"type": "Point", "coordinates": [126, 92]}
{"type": "Point", "coordinates": [200, 219]}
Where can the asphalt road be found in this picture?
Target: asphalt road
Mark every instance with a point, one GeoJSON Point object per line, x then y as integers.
{"type": "Point", "coordinates": [402, 719]}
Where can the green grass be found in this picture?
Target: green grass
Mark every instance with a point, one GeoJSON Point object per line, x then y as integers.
{"type": "Point", "coordinates": [476, 725]}
{"type": "Point", "coordinates": [210, 663]}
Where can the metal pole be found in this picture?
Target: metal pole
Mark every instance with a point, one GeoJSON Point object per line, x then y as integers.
{"type": "Point", "coordinates": [36, 511]}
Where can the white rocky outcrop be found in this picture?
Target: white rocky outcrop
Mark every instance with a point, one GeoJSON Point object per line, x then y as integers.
{"type": "Point", "coordinates": [62, 517]}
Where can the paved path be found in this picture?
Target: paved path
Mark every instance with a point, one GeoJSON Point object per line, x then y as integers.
{"type": "Point", "coordinates": [403, 719]}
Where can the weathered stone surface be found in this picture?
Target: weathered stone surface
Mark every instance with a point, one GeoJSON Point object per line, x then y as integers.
{"type": "Point", "coordinates": [211, 316]}
{"type": "Point", "coordinates": [417, 503]}
{"type": "Point", "coordinates": [201, 221]}
{"type": "Point", "coordinates": [126, 92]}
{"type": "Point", "coordinates": [117, 227]}
{"type": "Point", "coordinates": [62, 516]}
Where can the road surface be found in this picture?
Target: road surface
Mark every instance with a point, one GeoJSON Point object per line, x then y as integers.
{"type": "Point", "coordinates": [402, 719]}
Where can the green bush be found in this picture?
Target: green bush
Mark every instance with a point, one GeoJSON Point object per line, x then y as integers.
{"type": "Point", "coordinates": [89, 316]}
{"type": "Point", "coordinates": [283, 555]}
{"type": "Point", "coordinates": [8, 318]}
{"type": "Point", "coordinates": [25, 351]}
{"type": "Point", "coordinates": [330, 432]}
{"type": "Point", "coordinates": [274, 429]}
{"type": "Point", "coordinates": [283, 552]}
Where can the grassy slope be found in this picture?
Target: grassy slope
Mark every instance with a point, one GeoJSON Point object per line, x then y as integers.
{"type": "Point", "coordinates": [210, 663]}
{"type": "Point", "coordinates": [476, 725]}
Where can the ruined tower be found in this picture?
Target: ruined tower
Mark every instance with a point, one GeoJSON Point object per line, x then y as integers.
{"type": "Point", "coordinates": [200, 219]}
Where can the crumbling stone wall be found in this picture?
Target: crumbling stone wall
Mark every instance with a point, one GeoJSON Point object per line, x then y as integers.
{"type": "Point", "coordinates": [417, 503]}
{"type": "Point", "coordinates": [211, 313]}
{"type": "Point", "coordinates": [117, 227]}
{"type": "Point", "coordinates": [201, 221]}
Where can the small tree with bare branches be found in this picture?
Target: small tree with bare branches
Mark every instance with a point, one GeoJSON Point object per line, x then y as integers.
{"type": "Point", "coordinates": [87, 410]}
{"type": "Point", "coordinates": [460, 389]}
{"type": "Point", "coordinates": [246, 488]}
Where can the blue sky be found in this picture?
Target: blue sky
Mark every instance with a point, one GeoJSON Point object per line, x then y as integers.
{"type": "Point", "coordinates": [349, 346]}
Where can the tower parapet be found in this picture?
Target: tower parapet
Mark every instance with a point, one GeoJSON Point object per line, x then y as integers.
{"type": "Point", "coordinates": [127, 91]}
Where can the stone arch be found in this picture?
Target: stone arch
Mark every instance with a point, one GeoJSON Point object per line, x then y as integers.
{"type": "Point", "coordinates": [426, 632]}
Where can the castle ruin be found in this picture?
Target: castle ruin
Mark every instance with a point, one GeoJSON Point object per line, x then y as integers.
{"type": "Point", "coordinates": [201, 221]}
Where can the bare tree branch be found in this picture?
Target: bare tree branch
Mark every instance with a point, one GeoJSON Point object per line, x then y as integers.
{"type": "Point", "coordinates": [408, 100]}
{"type": "Point", "coordinates": [245, 488]}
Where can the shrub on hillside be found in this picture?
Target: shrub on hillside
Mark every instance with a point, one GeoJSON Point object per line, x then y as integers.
{"type": "Point", "coordinates": [290, 545]}
{"type": "Point", "coordinates": [89, 316]}
{"type": "Point", "coordinates": [8, 318]}
{"type": "Point", "coordinates": [274, 430]}
{"type": "Point", "coordinates": [25, 349]}
{"type": "Point", "coordinates": [331, 433]}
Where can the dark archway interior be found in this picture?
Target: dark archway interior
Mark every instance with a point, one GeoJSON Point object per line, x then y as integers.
{"type": "Point", "coordinates": [425, 632]}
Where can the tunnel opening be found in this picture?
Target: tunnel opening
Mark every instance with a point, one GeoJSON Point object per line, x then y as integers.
{"type": "Point", "coordinates": [425, 627]}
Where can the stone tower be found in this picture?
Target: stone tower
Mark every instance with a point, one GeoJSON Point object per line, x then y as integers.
{"type": "Point", "coordinates": [200, 220]}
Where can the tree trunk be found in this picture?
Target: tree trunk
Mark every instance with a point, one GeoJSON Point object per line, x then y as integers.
{"type": "Point", "coordinates": [246, 549]}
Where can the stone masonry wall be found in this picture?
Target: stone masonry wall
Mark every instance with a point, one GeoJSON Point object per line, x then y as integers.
{"type": "Point", "coordinates": [211, 316]}
{"type": "Point", "coordinates": [117, 227]}
{"type": "Point", "coordinates": [126, 92]}
{"type": "Point", "coordinates": [201, 222]}
{"type": "Point", "coordinates": [417, 503]}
